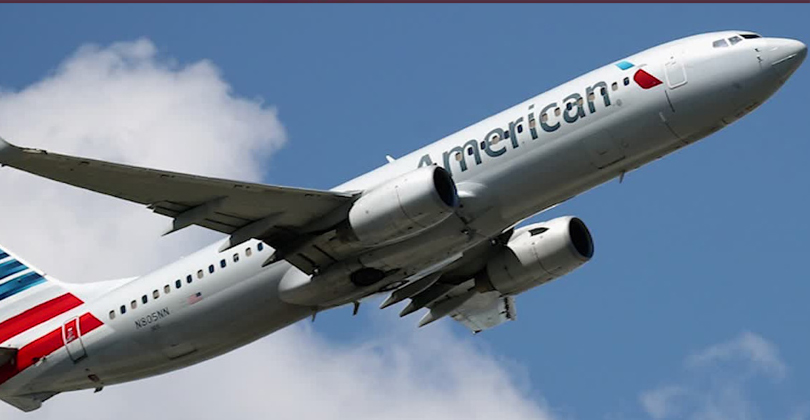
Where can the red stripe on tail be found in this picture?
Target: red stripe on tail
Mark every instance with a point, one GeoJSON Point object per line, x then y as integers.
{"type": "Point", "coordinates": [37, 315]}
{"type": "Point", "coordinates": [44, 346]}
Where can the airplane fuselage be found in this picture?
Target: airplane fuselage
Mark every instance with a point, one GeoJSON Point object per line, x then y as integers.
{"type": "Point", "coordinates": [507, 168]}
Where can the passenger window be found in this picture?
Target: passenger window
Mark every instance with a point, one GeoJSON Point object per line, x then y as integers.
{"type": "Point", "coordinates": [459, 156]}
{"type": "Point", "coordinates": [544, 117]}
{"type": "Point", "coordinates": [720, 43]}
{"type": "Point", "coordinates": [532, 123]}
{"type": "Point", "coordinates": [260, 247]}
{"type": "Point", "coordinates": [222, 264]}
{"type": "Point", "coordinates": [178, 284]}
{"type": "Point", "coordinates": [112, 314]}
{"type": "Point", "coordinates": [506, 134]}
{"type": "Point", "coordinates": [188, 279]}
{"type": "Point", "coordinates": [144, 299]}
{"type": "Point", "coordinates": [156, 294]}
{"type": "Point", "coordinates": [483, 145]}
{"type": "Point", "coordinates": [133, 304]}
{"type": "Point", "coordinates": [520, 128]}
{"type": "Point", "coordinates": [123, 309]}
{"type": "Point", "coordinates": [199, 274]}
{"type": "Point", "coordinates": [236, 257]}
{"type": "Point", "coordinates": [557, 112]}
{"type": "Point", "coordinates": [591, 97]}
{"type": "Point", "coordinates": [735, 39]}
{"type": "Point", "coordinates": [569, 106]}
{"type": "Point", "coordinates": [603, 91]}
{"type": "Point", "coordinates": [614, 86]}
{"type": "Point", "coordinates": [581, 101]}
{"type": "Point", "coordinates": [626, 81]}
{"type": "Point", "coordinates": [211, 268]}
{"type": "Point", "coordinates": [470, 151]}
{"type": "Point", "coordinates": [248, 252]}
{"type": "Point", "coordinates": [167, 289]}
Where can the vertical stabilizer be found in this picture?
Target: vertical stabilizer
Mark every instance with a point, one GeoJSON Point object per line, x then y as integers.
{"type": "Point", "coordinates": [28, 297]}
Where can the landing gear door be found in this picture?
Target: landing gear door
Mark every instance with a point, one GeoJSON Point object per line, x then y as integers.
{"type": "Point", "coordinates": [72, 337]}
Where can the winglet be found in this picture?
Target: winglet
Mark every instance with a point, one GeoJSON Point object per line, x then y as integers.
{"type": "Point", "coordinates": [7, 151]}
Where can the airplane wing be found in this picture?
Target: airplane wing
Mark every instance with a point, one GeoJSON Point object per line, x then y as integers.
{"type": "Point", "coordinates": [244, 210]}
{"type": "Point", "coordinates": [478, 311]}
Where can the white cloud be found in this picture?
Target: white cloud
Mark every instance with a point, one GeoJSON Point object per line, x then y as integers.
{"type": "Point", "coordinates": [718, 382]}
{"type": "Point", "coordinates": [661, 403]}
{"type": "Point", "coordinates": [749, 348]}
{"type": "Point", "coordinates": [295, 374]}
{"type": "Point", "coordinates": [126, 103]}
{"type": "Point", "coordinates": [404, 373]}
{"type": "Point", "coordinates": [122, 103]}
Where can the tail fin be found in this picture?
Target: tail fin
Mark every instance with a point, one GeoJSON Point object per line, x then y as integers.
{"type": "Point", "coordinates": [28, 297]}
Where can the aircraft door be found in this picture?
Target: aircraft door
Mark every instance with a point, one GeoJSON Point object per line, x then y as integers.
{"type": "Point", "coordinates": [72, 337]}
{"type": "Point", "coordinates": [676, 115]}
{"type": "Point", "coordinates": [675, 72]}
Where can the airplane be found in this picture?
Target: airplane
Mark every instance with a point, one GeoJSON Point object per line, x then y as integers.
{"type": "Point", "coordinates": [440, 227]}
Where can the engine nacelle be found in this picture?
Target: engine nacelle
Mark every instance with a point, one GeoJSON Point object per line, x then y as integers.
{"type": "Point", "coordinates": [403, 206]}
{"type": "Point", "coordinates": [536, 254]}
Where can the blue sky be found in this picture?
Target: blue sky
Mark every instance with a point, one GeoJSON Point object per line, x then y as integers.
{"type": "Point", "coordinates": [702, 248]}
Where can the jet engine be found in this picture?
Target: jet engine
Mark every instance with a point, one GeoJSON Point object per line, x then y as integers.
{"type": "Point", "coordinates": [403, 206]}
{"type": "Point", "coordinates": [536, 254]}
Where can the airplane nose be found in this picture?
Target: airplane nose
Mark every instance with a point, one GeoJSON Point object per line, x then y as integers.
{"type": "Point", "coordinates": [786, 55]}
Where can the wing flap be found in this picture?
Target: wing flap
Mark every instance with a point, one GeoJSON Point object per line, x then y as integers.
{"type": "Point", "coordinates": [485, 310]}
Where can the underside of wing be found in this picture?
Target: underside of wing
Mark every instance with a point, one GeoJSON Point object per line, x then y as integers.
{"type": "Point", "coordinates": [243, 209]}
{"type": "Point", "coordinates": [485, 311]}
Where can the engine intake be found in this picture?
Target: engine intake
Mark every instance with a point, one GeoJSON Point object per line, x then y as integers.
{"type": "Point", "coordinates": [536, 254]}
{"type": "Point", "coordinates": [403, 206]}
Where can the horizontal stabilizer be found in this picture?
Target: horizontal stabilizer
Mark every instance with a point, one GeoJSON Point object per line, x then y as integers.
{"type": "Point", "coordinates": [28, 403]}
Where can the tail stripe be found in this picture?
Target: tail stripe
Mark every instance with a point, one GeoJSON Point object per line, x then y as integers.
{"type": "Point", "coordinates": [24, 282]}
{"type": "Point", "coordinates": [44, 346]}
{"type": "Point", "coordinates": [3, 255]}
{"type": "Point", "coordinates": [37, 315]}
{"type": "Point", "coordinates": [11, 267]}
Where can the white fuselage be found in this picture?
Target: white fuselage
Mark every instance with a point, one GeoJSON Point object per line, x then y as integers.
{"type": "Point", "coordinates": [546, 159]}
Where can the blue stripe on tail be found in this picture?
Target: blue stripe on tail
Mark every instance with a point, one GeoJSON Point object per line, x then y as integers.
{"type": "Point", "coordinates": [2, 254]}
{"type": "Point", "coordinates": [10, 267]}
{"type": "Point", "coordinates": [24, 282]}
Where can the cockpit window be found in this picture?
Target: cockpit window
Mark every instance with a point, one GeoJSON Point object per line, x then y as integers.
{"type": "Point", "coordinates": [720, 43]}
{"type": "Point", "coordinates": [735, 39]}
{"type": "Point", "coordinates": [750, 36]}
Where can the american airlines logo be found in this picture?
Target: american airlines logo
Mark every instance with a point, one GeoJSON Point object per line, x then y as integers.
{"type": "Point", "coordinates": [551, 117]}
{"type": "Point", "coordinates": [641, 77]}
